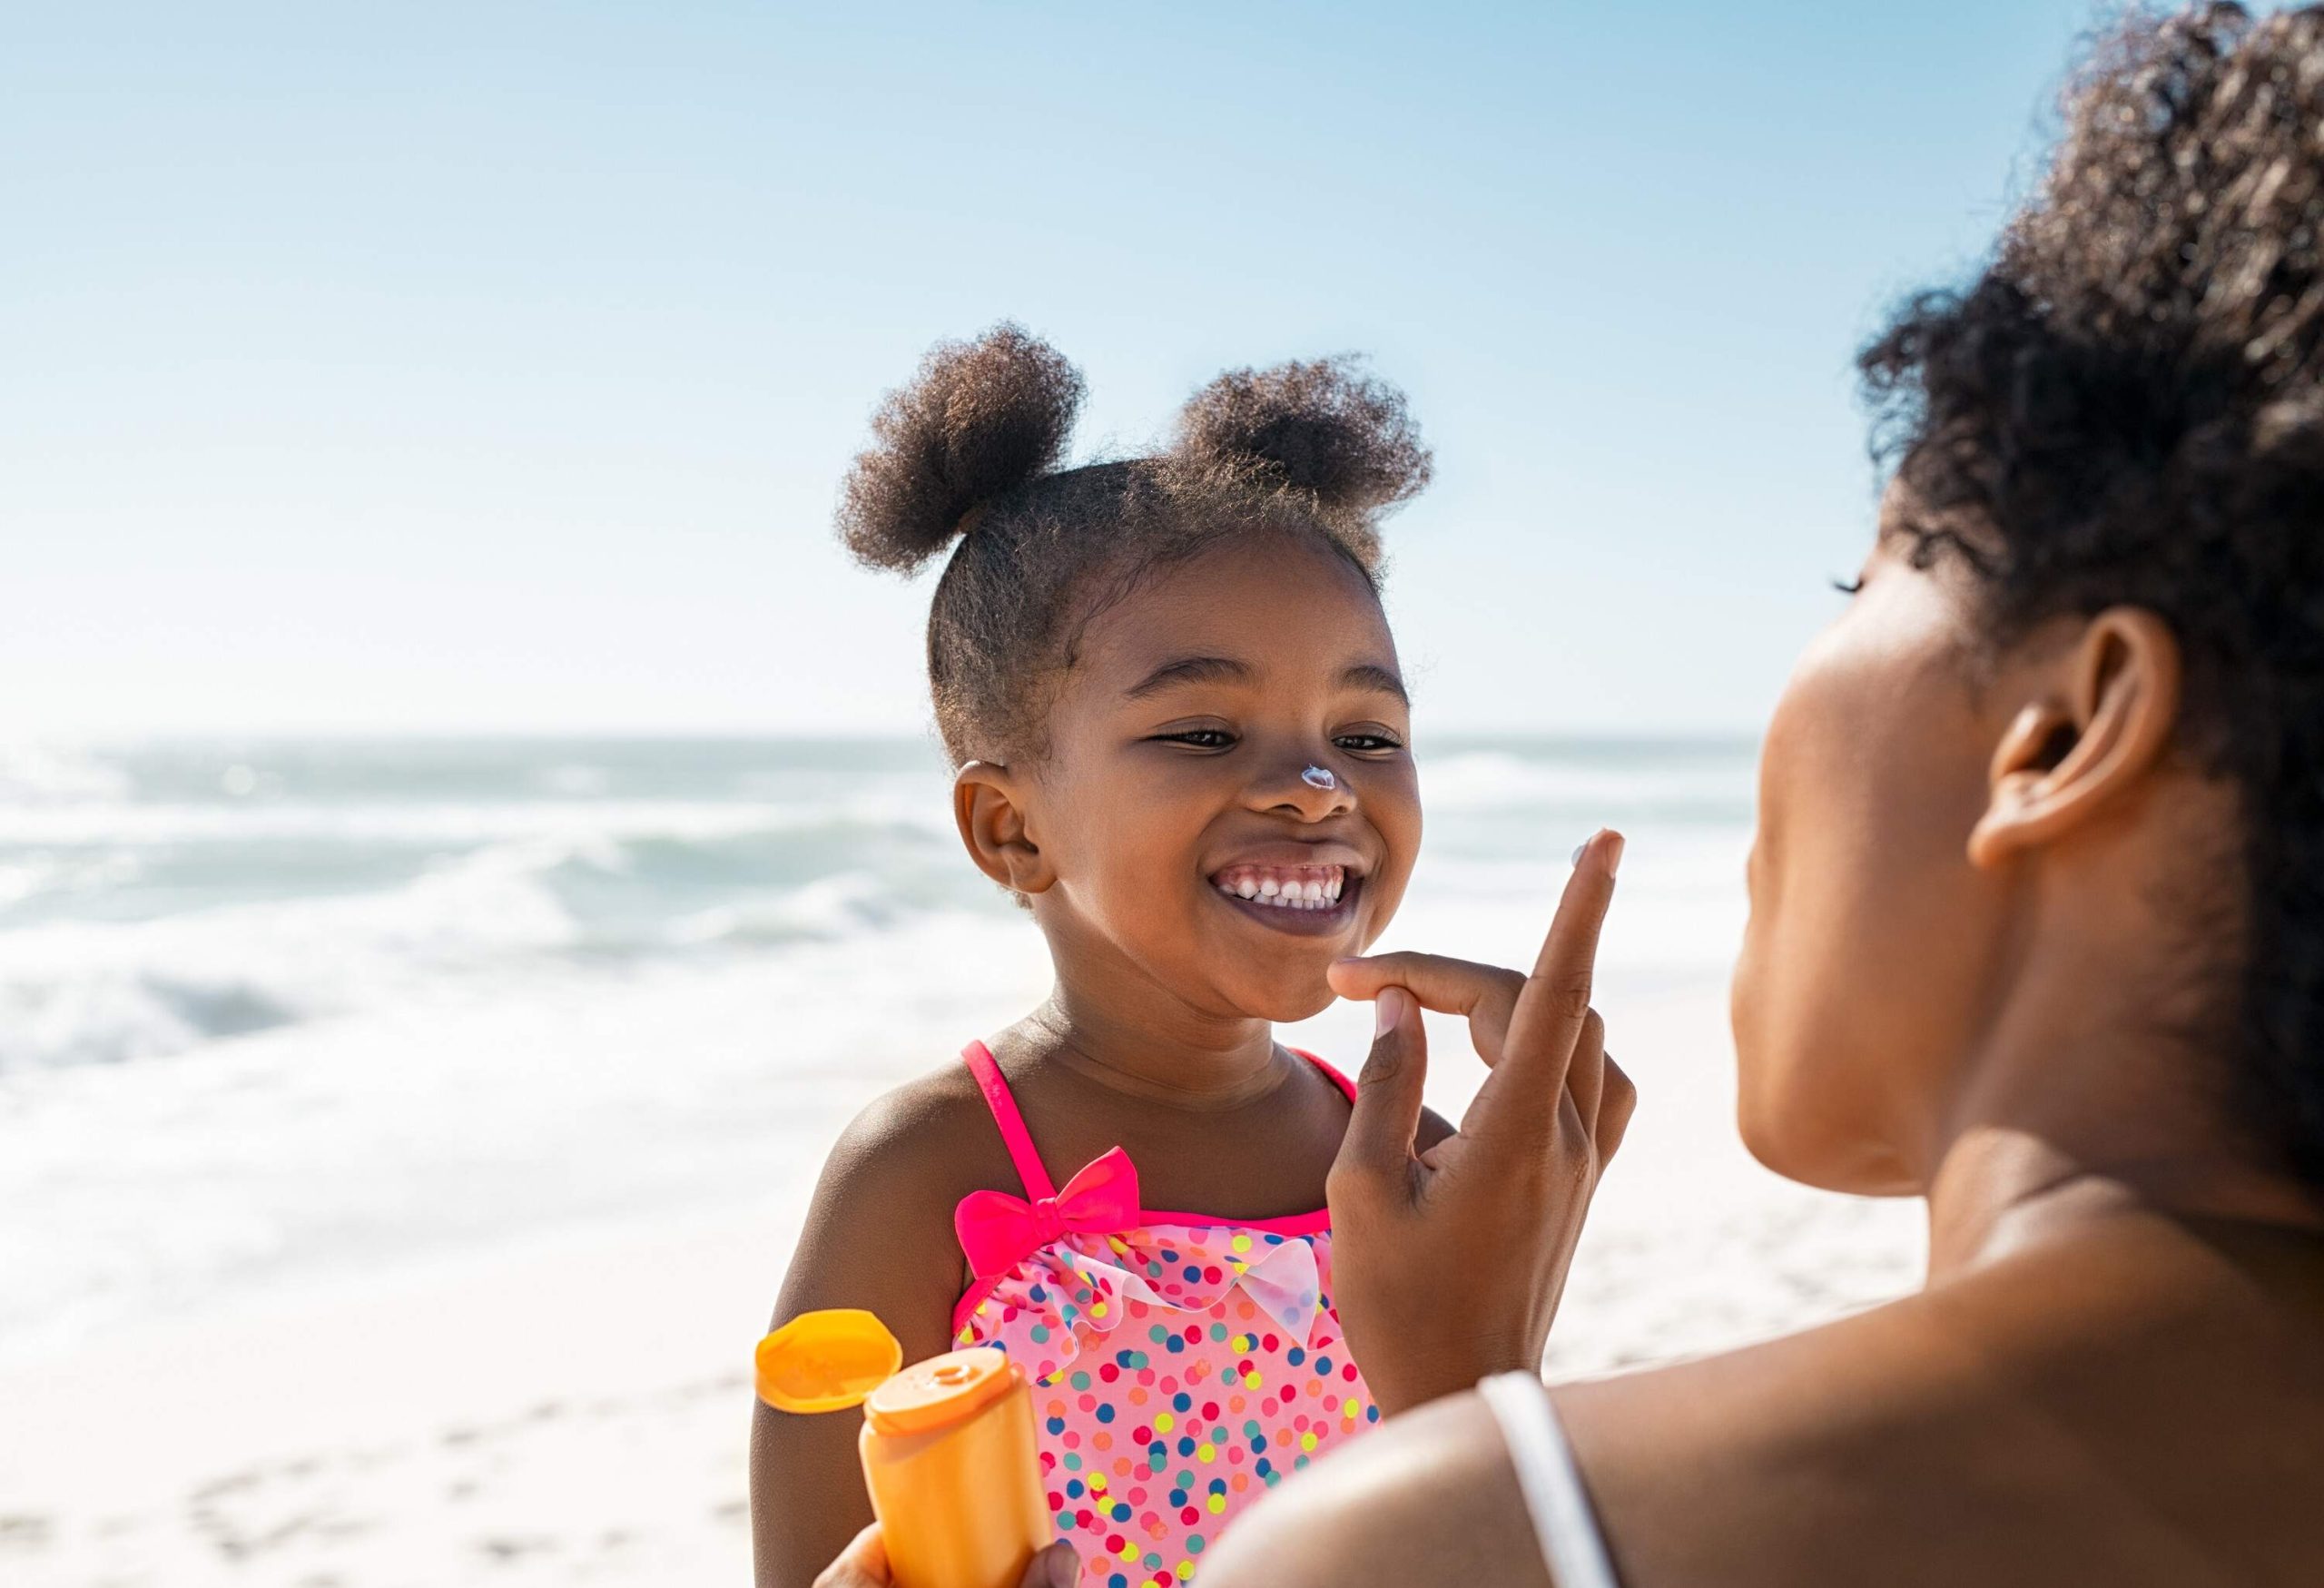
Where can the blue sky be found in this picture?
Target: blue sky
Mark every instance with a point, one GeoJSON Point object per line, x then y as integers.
{"type": "Point", "coordinates": [492, 366]}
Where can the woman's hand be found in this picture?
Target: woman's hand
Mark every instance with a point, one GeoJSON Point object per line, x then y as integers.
{"type": "Point", "coordinates": [1447, 1265]}
{"type": "Point", "coordinates": [863, 1564]}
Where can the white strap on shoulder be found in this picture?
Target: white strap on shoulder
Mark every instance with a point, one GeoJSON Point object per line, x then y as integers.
{"type": "Point", "coordinates": [1563, 1519]}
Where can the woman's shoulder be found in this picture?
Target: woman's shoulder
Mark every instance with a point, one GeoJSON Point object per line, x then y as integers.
{"type": "Point", "coordinates": [1429, 1497]}
{"type": "Point", "coordinates": [2127, 1417]}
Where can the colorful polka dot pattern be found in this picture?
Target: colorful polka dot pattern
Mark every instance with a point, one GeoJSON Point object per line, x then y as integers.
{"type": "Point", "coordinates": [1179, 1372]}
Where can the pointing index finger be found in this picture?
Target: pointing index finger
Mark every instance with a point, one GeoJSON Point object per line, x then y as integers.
{"type": "Point", "coordinates": [1531, 1078]}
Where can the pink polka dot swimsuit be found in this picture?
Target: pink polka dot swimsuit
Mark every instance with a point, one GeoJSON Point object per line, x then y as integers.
{"type": "Point", "coordinates": [1181, 1364]}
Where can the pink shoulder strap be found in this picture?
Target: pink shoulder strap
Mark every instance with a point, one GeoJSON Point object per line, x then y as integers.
{"type": "Point", "coordinates": [1334, 1076]}
{"type": "Point", "coordinates": [1013, 1134]}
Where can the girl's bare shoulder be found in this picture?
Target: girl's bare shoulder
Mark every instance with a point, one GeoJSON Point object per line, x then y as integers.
{"type": "Point", "coordinates": [931, 1140]}
{"type": "Point", "coordinates": [878, 1233]}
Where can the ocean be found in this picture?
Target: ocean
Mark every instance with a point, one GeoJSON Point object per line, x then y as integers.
{"type": "Point", "coordinates": [293, 1012]}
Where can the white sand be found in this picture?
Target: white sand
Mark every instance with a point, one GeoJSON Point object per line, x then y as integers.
{"type": "Point", "coordinates": [577, 1412]}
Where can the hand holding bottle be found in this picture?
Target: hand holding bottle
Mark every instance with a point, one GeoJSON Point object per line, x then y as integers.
{"type": "Point", "coordinates": [864, 1565]}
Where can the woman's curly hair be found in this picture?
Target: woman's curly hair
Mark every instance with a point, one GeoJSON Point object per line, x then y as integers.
{"type": "Point", "coordinates": [971, 450]}
{"type": "Point", "coordinates": [2128, 404]}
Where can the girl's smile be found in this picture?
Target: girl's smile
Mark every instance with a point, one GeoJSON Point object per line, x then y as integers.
{"type": "Point", "coordinates": [1314, 893]}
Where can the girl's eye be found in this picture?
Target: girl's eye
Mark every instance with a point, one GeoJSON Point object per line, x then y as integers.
{"type": "Point", "coordinates": [1199, 738]}
{"type": "Point", "coordinates": [1368, 743]}
{"type": "Point", "coordinates": [1847, 587]}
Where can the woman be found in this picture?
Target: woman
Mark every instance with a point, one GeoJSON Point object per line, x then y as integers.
{"type": "Point", "coordinates": [2037, 934]}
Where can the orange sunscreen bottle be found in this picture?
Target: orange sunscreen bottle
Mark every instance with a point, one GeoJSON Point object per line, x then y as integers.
{"type": "Point", "coordinates": [947, 1444]}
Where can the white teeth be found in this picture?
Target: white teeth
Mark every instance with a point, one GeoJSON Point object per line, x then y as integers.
{"type": "Point", "coordinates": [1296, 893]}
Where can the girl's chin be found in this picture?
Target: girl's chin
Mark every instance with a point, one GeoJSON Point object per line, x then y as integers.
{"type": "Point", "coordinates": [1282, 1003]}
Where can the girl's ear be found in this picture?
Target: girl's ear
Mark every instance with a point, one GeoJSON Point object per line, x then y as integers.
{"type": "Point", "coordinates": [988, 804]}
{"type": "Point", "coordinates": [2106, 716]}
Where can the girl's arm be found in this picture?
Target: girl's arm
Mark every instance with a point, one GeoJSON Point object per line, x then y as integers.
{"type": "Point", "coordinates": [877, 1236]}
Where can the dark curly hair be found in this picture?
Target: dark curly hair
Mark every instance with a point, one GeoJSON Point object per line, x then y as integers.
{"type": "Point", "coordinates": [2127, 406]}
{"type": "Point", "coordinates": [971, 449]}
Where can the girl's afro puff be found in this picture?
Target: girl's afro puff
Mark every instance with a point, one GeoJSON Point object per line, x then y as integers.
{"type": "Point", "coordinates": [969, 450]}
{"type": "Point", "coordinates": [1325, 428]}
{"type": "Point", "coordinates": [982, 419]}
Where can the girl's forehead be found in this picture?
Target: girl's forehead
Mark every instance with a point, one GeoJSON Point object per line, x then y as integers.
{"type": "Point", "coordinates": [1279, 606]}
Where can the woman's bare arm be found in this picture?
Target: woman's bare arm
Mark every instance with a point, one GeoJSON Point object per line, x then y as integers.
{"type": "Point", "coordinates": [1437, 1502]}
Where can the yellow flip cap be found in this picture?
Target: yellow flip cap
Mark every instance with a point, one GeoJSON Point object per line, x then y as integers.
{"type": "Point", "coordinates": [826, 1361]}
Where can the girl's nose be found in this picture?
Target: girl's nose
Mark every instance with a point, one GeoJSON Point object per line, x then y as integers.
{"type": "Point", "coordinates": [1309, 789]}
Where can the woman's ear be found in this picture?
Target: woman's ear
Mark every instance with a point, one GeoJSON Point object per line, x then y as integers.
{"type": "Point", "coordinates": [2107, 714]}
{"type": "Point", "coordinates": [988, 804]}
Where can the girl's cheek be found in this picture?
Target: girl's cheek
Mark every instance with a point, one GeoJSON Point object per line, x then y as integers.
{"type": "Point", "coordinates": [1400, 816]}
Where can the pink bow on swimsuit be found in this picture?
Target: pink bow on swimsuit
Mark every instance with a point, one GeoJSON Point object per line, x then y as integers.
{"type": "Point", "coordinates": [997, 1231]}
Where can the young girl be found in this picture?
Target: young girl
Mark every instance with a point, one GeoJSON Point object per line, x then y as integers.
{"type": "Point", "coordinates": [1181, 737]}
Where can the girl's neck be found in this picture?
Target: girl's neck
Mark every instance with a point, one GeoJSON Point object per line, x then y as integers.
{"type": "Point", "coordinates": [1178, 1056]}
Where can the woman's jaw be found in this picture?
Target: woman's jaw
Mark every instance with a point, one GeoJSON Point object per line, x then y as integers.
{"type": "Point", "coordinates": [1863, 953]}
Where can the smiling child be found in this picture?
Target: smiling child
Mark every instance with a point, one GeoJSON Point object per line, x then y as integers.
{"type": "Point", "coordinates": [1181, 737]}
